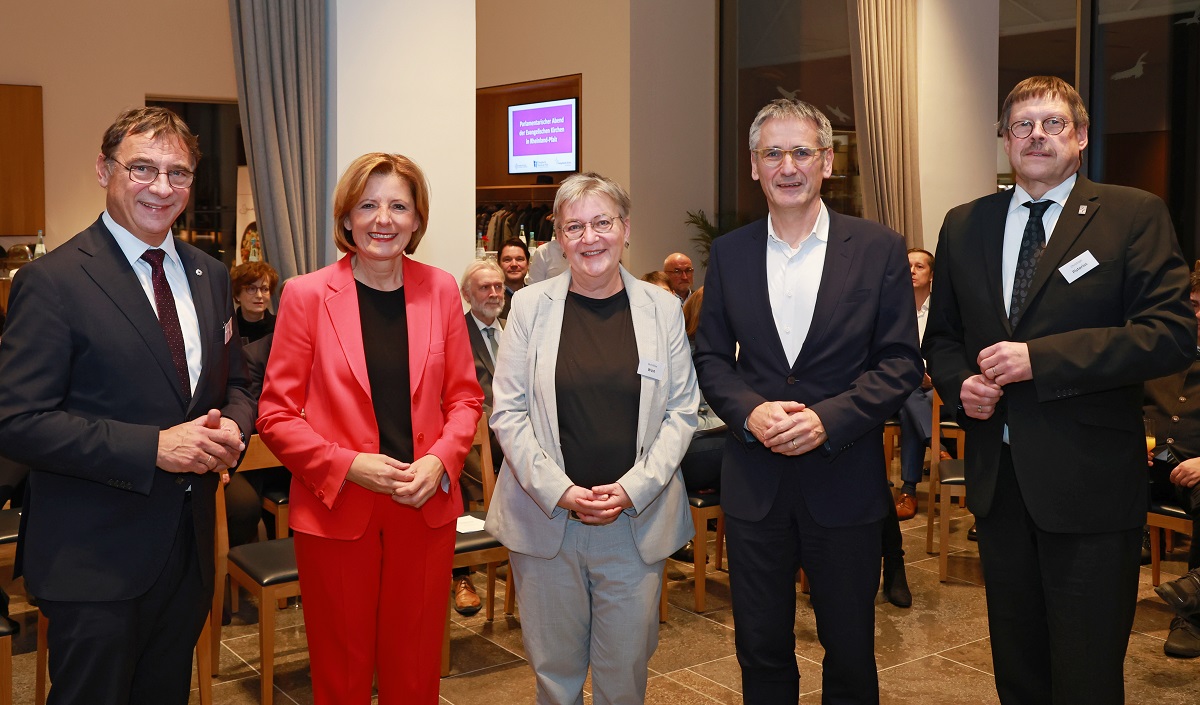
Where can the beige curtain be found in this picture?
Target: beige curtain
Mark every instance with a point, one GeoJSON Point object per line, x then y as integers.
{"type": "Point", "coordinates": [883, 57]}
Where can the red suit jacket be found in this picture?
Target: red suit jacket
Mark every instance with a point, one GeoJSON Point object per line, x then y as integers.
{"type": "Point", "coordinates": [316, 413]}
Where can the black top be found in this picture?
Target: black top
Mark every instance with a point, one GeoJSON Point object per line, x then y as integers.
{"type": "Point", "coordinates": [257, 330]}
{"type": "Point", "coordinates": [598, 389]}
{"type": "Point", "coordinates": [385, 343]}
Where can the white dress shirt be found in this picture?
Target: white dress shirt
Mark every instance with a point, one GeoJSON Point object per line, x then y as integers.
{"type": "Point", "coordinates": [189, 322]}
{"type": "Point", "coordinates": [1014, 227]}
{"type": "Point", "coordinates": [793, 279]}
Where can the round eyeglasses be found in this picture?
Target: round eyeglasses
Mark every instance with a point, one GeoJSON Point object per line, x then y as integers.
{"type": "Point", "coordinates": [146, 174]}
{"type": "Point", "coordinates": [601, 224]}
{"type": "Point", "coordinates": [1051, 126]}
{"type": "Point", "coordinates": [801, 156]}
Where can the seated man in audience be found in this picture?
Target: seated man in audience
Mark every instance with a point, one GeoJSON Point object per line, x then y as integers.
{"type": "Point", "coordinates": [1173, 402]}
{"type": "Point", "coordinates": [678, 268]}
{"type": "Point", "coordinates": [514, 260]}
{"type": "Point", "coordinates": [482, 288]}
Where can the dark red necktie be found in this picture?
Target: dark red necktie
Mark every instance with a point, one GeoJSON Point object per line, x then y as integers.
{"type": "Point", "coordinates": [168, 317]}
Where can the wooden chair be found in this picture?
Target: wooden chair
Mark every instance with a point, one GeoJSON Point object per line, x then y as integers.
{"type": "Point", "coordinates": [891, 439]}
{"type": "Point", "coordinates": [704, 507]}
{"type": "Point", "coordinates": [1162, 516]}
{"type": "Point", "coordinates": [267, 569]}
{"type": "Point", "coordinates": [946, 479]}
{"type": "Point", "coordinates": [480, 547]}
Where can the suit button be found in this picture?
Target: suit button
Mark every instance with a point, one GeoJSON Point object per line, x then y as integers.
{"type": "Point", "coordinates": [1170, 440]}
{"type": "Point", "coordinates": [420, 437]}
{"type": "Point", "coordinates": [179, 480]}
{"type": "Point", "coordinates": [1174, 419]}
{"type": "Point", "coordinates": [1182, 399]}
{"type": "Point", "coordinates": [791, 379]}
{"type": "Point", "coordinates": [321, 494]}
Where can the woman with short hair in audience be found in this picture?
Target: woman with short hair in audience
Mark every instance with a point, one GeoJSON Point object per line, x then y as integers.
{"type": "Point", "coordinates": [253, 286]}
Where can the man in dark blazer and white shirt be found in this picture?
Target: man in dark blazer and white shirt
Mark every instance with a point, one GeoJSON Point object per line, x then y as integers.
{"type": "Point", "coordinates": [124, 391]}
{"type": "Point", "coordinates": [821, 307]}
{"type": "Point", "coordinates": [1048, 386]}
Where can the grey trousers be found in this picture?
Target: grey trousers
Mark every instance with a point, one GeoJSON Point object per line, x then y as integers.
{"type": "Point", "coordinates": [594, 603]}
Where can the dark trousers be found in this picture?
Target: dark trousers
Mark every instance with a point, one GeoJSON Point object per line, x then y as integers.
{"type": "Point", "coordinates": [893, 541]}
{"type": "Point", "coordinates": [1060, 606]}
{"type": "Point", "coordinates": [843, 573]}
{"type": "Point", "coordinates": [135, 652]}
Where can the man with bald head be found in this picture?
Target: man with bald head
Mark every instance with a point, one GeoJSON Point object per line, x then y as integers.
{"type": "Point", "coordinates": [678, 268]}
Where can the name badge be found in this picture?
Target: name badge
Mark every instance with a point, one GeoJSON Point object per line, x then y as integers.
{"type": "Point", "coordinates": [1078, 267]}
{"type": "Point", "coordinates": [651, 368]}
{"type": "Point", "coordinates": [228, 330]}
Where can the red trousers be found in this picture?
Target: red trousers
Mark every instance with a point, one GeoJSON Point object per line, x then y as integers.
{"type": "Point", "coordinates": [376, 606]}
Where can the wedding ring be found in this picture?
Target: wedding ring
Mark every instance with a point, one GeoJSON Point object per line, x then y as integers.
{"type": "Point", "coordinates": [994, 373]}
{"type": "Point", "coordinates": [794, 446]}
{"type": "Point", "coordinates": [979, 408]}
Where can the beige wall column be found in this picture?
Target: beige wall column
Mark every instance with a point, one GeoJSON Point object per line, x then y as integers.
{"type": "Point", "coordinates": [403, 80]}
{"type": "Point", "coordinates": [957, 70]}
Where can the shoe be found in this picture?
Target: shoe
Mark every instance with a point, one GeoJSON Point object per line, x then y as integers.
{"type": "Point", "coordinates": [1184, 640]}
{"type": "Point", "coordinates": [972, 535]}
{"type": "Point", "coordinates": [895, 583]}
{"type": "Point", "coordinates": [1145, 547]}
{"type": "Point", "coordinates": [466, 601]}
{"type": "Point", "coordinates": [1182, 594]}
{"type": "Point", "coordinates": [687, 554]}
{"type": "Point", "coordinates": [906, 507]}
{"type": "Point", "coordinates": [11, 627]}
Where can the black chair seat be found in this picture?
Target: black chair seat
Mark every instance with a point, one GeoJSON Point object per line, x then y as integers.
{"type": "Point", "coordinates": [276, 496]}
{"type": "Point", "coordinates": [10, 524]}
{"type": "Point", "coordinates": [267, 562]}
{"type": "Point", "coordinates": [704, 501]}
{"type": "Point", "coordinates": [475, 540]}
{"type": "Point", "coordinates": [952, 472]}
{"type": "Point", "coordinates": [1171, 510]}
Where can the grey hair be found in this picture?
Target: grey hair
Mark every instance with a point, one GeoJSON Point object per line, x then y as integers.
{"type": "Point", "coordinates": [577, 187]}
{"type": "Point", "coordinates": [791, 108]}
{"type": "Point", "coordinates": [464, 284]}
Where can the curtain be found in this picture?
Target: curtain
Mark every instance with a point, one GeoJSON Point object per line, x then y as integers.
{"type": "Point", "coordinates": [883, 54]}
{"type": "Point", "coordinates": [279, 51]}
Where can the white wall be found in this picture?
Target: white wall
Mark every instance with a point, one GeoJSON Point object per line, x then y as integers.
{"type": "Point", "coordinates": [405, 82]}
{"type": "Point", "coordinates": [957, 72]}
{"type": "Point", "coordinates": [80, 56]}
{"type": "Point", "coordinates": [673, 119]}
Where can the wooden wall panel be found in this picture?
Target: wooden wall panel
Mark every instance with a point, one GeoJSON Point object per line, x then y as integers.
{"type": "Point", "coordinates": [22, 161]}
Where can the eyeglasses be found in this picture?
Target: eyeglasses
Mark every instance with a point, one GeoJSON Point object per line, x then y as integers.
{"type": "Point", "coordinates": [1051, 126]}
{"type": "Point", "coordinates": [264, 290]}
{"type": "Point", "coordinates": [146, 174]}
{"type": "Point", "coordinates": [680, 270]}
{"type": "Point", "coordinates": [801, 156]}
{"type": "Point", "coordinates": [574, 229]}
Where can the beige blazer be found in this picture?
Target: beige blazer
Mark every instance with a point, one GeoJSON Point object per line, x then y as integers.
{"type": "Point", "coordinates": [524, 514]}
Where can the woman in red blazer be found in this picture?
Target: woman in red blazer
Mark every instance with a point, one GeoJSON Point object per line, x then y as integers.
{"type": "Point", "coordinates": [370, 399]}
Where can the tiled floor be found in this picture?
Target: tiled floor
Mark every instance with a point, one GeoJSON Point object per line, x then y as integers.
{"type": "Point", "coordinates": [934, 653]}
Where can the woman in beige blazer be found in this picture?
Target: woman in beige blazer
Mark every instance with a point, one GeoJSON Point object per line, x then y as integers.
{"type": "Point", "coordinates": [594, 404]}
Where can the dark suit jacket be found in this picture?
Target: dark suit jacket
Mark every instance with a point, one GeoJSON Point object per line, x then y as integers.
{"type": "Point", "coordinates": [484, 369]}
{"type": "Point", "coordinates": [857, 365]}
{"type": "Point", "coordinates": [88, 384]}
{"type": "Point", "coordinates": [1075, 428]}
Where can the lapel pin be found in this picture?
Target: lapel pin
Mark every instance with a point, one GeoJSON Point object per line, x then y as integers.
{"type": "Point", "coordinates": [200, 273]}
{"type": "Point", "coordinates": [1082, 210]}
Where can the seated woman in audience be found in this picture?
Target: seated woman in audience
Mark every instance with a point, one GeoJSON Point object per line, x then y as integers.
{"type": "Point", "coordinates": [371, 401]}
{"type": "Point", "coordinates": [594, 402]}
{"type": "Point", "coordinates": [253, 286]}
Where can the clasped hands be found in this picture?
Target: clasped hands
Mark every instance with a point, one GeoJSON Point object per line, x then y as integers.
{"type": "Point", "coordinates": [411, 484]}
{"type": "Point", "coordinates": [209, 443]}
{"type": "Point", "coordinates": [599, 505]}
{"type": "Point", "coordinates": [999, 364]}
{"type": "Point", "coordinates": [786, 427]}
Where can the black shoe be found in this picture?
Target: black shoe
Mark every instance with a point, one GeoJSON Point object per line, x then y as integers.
{"type": "Point", "coordinates": [1145, 548]}
{"type": "Point", "coordinates": [895, 583]}
{"type": "Point", "coordinates": [1182, 594]}
{"type": "Point", "coordinates": [10, 627]}
{"type": "Point", "coordinates": [1184, 640]}
{"type": "Point", "coordinates": [687, 554]}
{"type": "Point", "coordinates": [972, 535]}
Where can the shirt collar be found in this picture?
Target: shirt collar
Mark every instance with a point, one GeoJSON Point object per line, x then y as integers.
{"type": "Point", "coordinates": [820, 230]}
{"type": "Point", "coordinates": [1058, 194]}
{"type": "Point", "coordinates": [133, 248]}
{"type": "Point", "coordinates": [483, 326]}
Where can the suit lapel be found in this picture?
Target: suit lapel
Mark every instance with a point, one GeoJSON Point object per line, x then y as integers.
{"type": "Point", "coordinates": [643, 313]}
{"type": "Point", "coordinates": [757, 288]}
{"type": "Point", "coordinates": [479, 344]}
{"type": "Point", "coordinates": [341, 303]}
{"type": "Point", "coordinates": [544, 341]}
{"type": "Point", "coordinates": [989, 223]}
{"type": "Point", "coordinates": [1067, 230]}
{"type": "Point", "coordinates": [112, 273]}
{"type": "Point", "coordinates": [198, 276]}
{"type": "Point", "coordinates": [834, 275]}
{"type": "Point", "coordinates": [419, 311]}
